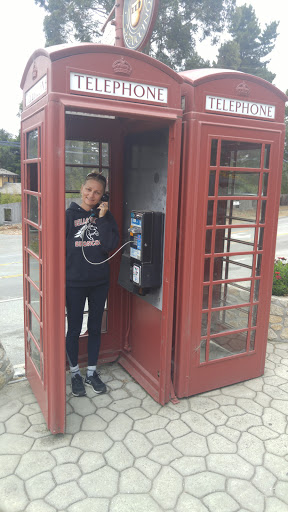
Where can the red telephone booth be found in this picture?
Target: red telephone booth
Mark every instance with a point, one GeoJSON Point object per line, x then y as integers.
{"type": "Point", "coordinates": [89, 107]}
{"type": "Point", "coordinates": [231, 179]}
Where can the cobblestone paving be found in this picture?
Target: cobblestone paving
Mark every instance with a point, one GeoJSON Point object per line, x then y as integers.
{"type": "Point", "coordinates": [222, 451]}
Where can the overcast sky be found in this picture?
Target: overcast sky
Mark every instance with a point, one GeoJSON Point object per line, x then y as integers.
{"type": "Point", "coordinates": [21, 33]}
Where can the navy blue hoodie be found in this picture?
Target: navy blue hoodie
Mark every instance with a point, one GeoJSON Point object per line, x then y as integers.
{"type": "Point", "coordinates": [100, 237]}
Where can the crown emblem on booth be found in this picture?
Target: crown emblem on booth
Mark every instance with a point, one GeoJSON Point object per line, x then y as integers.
{"type": "Point", "coordinates": [122, 67]}
{"type": "Point", "coordinates": [242, 89]}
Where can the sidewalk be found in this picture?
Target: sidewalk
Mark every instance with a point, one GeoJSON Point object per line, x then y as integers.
{"type": "Point", "coordinates": [222, 451]}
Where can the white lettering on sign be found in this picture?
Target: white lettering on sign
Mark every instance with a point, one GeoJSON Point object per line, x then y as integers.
{"type": "Point", "coordinates": [36, 91]}
{"type": "Point", "coordinates": [113, 87]}
{"type": "Point", "coordinates": [240, 107]}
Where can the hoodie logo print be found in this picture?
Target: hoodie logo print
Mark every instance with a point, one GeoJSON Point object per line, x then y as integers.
{"type": "Point", "coordinates": [91, 232]}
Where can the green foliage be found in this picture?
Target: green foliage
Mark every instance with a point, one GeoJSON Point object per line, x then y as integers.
{"type": "Point", "coordinates": [250, 46]}
{"type": "Point", "coordinates": [10, 198]}
{"type": "Point", "coordinates": [78, 20]}
{"type": "Point", "coordinates": [180, 23]}
{"type": "Point", "coordinates": [280, 277]}
{"type": "Point", "coordinates": [9, 153]}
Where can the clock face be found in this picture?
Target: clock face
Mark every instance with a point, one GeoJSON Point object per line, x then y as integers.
{"type": "Point", "coordinates": [137, 22]}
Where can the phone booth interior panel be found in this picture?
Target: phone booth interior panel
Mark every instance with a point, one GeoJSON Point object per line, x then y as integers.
{"type": "Point", "coordinates": [146, 179]}
{"type": "Point", "coordinates": [230, 198]}
{"type": "Point", "coordinates": [119, 112]}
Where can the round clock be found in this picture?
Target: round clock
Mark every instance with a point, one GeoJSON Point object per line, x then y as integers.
{"type": "Point", "coordinates": [138, 21]}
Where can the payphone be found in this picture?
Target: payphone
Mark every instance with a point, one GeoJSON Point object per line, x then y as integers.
{"type": "Point", "coordinates": [146, 247]}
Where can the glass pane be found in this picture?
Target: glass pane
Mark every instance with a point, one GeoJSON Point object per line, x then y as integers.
{"type": "Point", "coordinates": [212, 177]}
{"type": "Point", "coordinates": [34, 327]}
{"type": "Point", "coordinates": [234, 240]}
{"type": "Point", "coordinates": [39, 145]}
{"type": "Point", "coordinates": [258, 265]}
{"type": "Point", "coordinates": [214, 145]}
{"type": "Point", "coordinates": [254, 316]}
{"type": "Point", "coordinates": [207, 269]}
{"type": "Point", "coordinates": [225, 346]}
{"type": "Point", "coordinates": [82, 152]}
{"type": "Point", "coordinates": [32, 144]}
{"type": "Point", "coordinates": [265, 184]}
{"type": "Point", "coordinates": [105, 154]}
{"type": "Point", "coordinates": [34, 299]}
{"type": "Point", "coordinates": [234, 267]}
{"type": "Point", "coordinates": [267, 156]}
{"type": "Point", "coordinates": [72, 196]}
{"type": "Point", "coordinates": [32, 177]}
{"type": "Point", "coordinates": [210, 212]}
{"type": "Point", "coordinates": [204, 324]}
{"type": "Point", "coordinates": [208, 241]}
{"type": "Point", "coordinates": [32, 208]}
{"type": "Point", "coordinates": [236, 212]}
{"type": "Point", "coordinates": [260, 239]}
{"type": "Point", "coordinates": [240, 154]}
{"type": "Point", "coordinates": [231, 294]}
{"type": "Point", "coordinates": [229, 320]}
{"type": "Point", "coordinates": [232, 183]}
{"type": "Point", "coordinates": [34, 354]}
{"type": "Point", "coordinates": [75, 177]}
{"type": "Point", "coordinates": [33, 269]}
{"type": "Point", "coordinates": [203, 351]}
{"type": "Point", "coordinates": [252, 340]}
{"type": "Point", "coordinates": [33, 239]}
{"type": "Point", "coordinates": [40, 176]}
{"type": "Point", "coordinates": [263, 212]}
{"type": "Point", "coordinates": [256, 290]}
{"type": "Point", "coordinates": [205, 297]}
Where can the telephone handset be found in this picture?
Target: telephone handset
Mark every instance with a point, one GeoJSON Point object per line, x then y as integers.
{"type": "Point", "coordinates": [104, 199]}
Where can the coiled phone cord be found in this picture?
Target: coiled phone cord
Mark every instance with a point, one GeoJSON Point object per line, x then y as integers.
{"type": "Point", "coordinates": [100, 262]}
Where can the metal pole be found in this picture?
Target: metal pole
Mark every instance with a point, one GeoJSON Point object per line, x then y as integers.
{"type": "Point", "coordinates": [119, 40]}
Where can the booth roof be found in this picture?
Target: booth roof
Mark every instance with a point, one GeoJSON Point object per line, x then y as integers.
{"type": "Point", "coordinates": [66, 50]}
{"type": "Point", "coordinates": [197, 77]}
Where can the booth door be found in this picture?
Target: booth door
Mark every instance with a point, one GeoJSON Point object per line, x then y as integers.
{"type": "Point", "coordinates": [43, 352]}
{"type": "Point", "coordinates": [234, 252]}
{"type": "Point", "coordinates": [32, 148]}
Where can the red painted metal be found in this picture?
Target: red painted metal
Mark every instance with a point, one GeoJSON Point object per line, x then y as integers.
{"type": "Point", "coordinates": [192, 375]}
{"type": "Point", "coordinates": [151, 344]}
{"type": "Point", "coordinates": [126, 314]}
{"type": "Point", "coordinates": [148, 361]}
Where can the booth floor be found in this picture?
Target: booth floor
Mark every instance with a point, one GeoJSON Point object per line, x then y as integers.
{"type": "Point", "coordinates": [222, 451]}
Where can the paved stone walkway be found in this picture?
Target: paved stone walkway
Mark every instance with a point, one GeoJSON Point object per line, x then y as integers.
{"type": "Point", "coordinates": [222, 451]}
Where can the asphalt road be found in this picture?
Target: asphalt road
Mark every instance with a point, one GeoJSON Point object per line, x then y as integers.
{"type": "Point", "coordinates": [11, 297]}
{"type": "Point", "coordinates": [11, 289]}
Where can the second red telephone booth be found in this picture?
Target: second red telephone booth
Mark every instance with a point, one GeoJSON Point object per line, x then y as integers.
{"type": "Point", "coordinates": [231, 179]}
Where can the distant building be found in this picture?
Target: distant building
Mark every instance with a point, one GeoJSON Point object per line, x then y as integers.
{"type": "Point", "coordinates": [7, 177]}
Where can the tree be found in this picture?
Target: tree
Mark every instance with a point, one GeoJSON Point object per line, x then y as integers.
{"type": "Point", "coordinates": [250, 46]}
{"type": "Point", "coordinates": [179, 24]}
{"type": "Point", "coordinates": [10, 152]}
